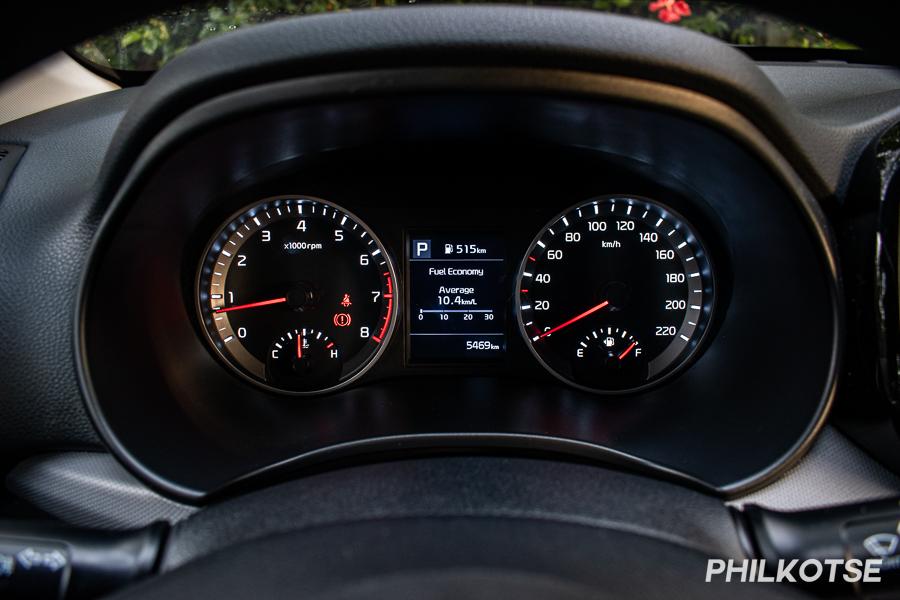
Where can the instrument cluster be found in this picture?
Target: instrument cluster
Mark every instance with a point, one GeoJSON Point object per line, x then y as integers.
{"type": "Point", "coordinates": [298, 295]}
{"type": "Point", "coordinates": [320, 281]}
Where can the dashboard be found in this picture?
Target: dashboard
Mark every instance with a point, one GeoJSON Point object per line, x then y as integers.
{"type": "Point", "coordinates": [560, 273]}
{"type": "Point", "coordinates": [592, 261]}
{"type": "Point", "coordinates": [484, 280]}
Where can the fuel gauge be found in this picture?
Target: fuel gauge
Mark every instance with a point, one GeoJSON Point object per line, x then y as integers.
{"type": "Point", "coordinates": [609, 358]}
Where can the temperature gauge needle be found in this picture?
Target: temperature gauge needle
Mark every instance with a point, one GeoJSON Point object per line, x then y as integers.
{"type": "Point", "coordinates": [252, 305]}
{"type": "Point", "coordinates": [589, 311]}
{"type": "Point", "coordinates": [299, 346]}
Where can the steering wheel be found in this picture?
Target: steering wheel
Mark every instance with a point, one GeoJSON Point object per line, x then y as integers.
{"type": "Point", "coordinates": [456, 527]}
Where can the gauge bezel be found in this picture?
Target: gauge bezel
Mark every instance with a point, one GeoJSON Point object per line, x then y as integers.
{"type": "Point", "coordinates": [218, 354]}
{"type": "Point", "coordinates": [708, 306]}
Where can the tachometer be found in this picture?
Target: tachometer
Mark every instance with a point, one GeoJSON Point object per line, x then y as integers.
{"type": "Point", "coordinates": [297, 294]}
{"type": "Point", "coordinates": [615, 294]}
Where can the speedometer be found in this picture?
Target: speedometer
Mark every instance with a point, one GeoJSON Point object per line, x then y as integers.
{"type": "Point", "coordinates": [615, 294]}
{"type": "Point", "coordinates": [297, 294]}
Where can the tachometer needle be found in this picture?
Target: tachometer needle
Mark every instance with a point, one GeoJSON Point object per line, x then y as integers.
{"type": "Point", "coordinates": [627, 350]}
{"type": "Point", "coordinates": [252, 305]}
{"type": "Point", "coordinates": [589, 311]}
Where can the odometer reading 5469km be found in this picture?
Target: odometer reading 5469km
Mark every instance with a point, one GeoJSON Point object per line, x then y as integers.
{"type": "Point", "coordinates": [615, 294]}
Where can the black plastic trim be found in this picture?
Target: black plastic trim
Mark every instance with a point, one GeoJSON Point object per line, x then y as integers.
{"type": "Point", "coordinates": [126, 78]}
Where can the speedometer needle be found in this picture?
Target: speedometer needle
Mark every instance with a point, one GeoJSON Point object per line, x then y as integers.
{"type": "Point", "coordinates": [589, 311]}
{"type": "Point", "coordinates": [252, 305]}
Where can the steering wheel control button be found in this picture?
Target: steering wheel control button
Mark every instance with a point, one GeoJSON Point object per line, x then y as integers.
{"type": "Point", "coordinates": [32, 569]}
{"type": "Point", "coordinates": [48, 561]}
{"type": "Point", "coordinates": [877, 538]}
{"type": "Point", "coordinates": [868, 533]}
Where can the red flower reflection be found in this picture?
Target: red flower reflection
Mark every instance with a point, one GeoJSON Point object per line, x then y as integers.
{"type": "Point", "coordinates": [670, 11]}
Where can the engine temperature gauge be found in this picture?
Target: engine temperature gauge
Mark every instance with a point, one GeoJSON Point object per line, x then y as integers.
{"type": "Point", "coordinates": [304, 359]}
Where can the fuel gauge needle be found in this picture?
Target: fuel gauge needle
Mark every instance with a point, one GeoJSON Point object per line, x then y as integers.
{"type": "Point", "coordinates": [627, 350]}
{"type": "Point", "coordinates": [299, 346]}
{"type": "Point", "coordinates": [586, 313]}
{"type": "Point", "coordinates": [252, 305]}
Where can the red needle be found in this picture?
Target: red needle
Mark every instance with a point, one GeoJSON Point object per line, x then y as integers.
{"type": "Point", "coordinates": [252, 305]}
{"type": "Point", "coordinates": [627, 350]}
{"type": "Point", "coordinates": [299, 346]}
{"type": "Point", "coordinates": [589, 311]}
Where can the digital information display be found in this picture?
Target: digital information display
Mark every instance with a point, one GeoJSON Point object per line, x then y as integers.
{"type": "Point", "coordinates": [456, 298]}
